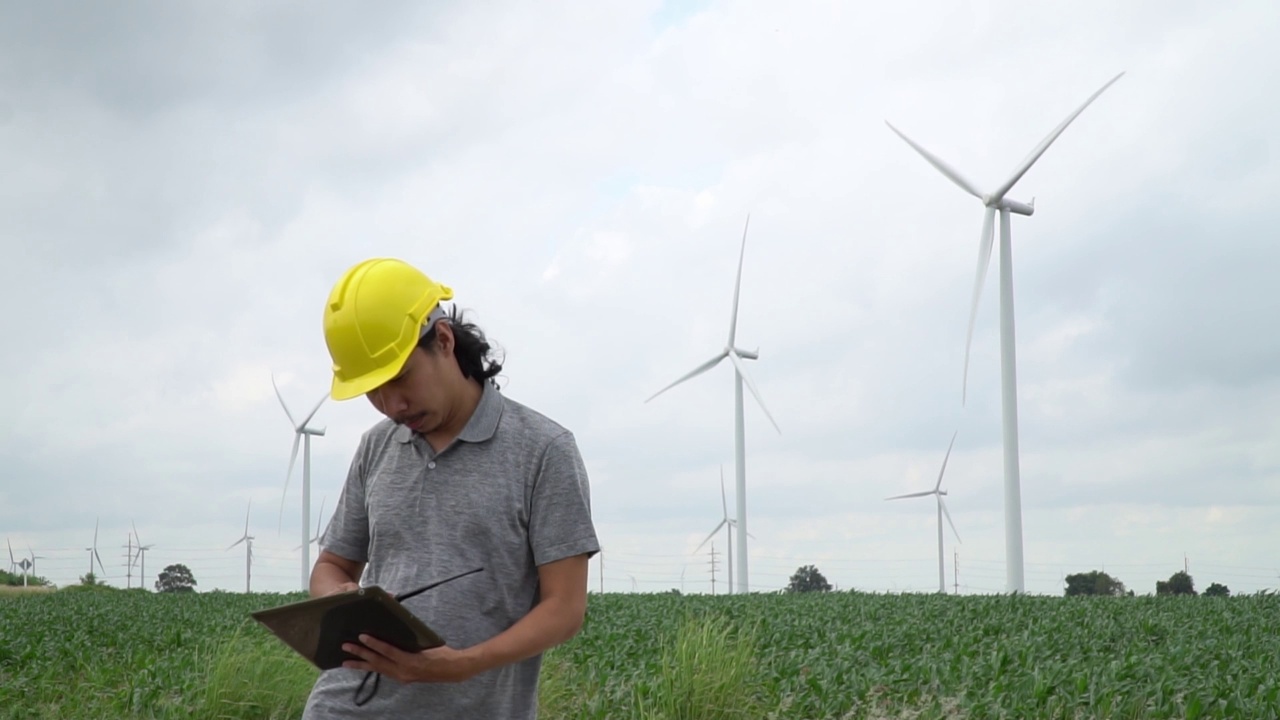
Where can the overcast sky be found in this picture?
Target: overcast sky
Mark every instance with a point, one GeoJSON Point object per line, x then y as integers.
{"type": "Point", "coordinates": [183, 183]}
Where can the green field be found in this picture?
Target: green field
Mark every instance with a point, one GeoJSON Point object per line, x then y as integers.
{"type": "Point", "coordinates": [130, 654]}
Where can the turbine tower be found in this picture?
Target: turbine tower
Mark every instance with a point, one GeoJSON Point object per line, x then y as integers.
{"type": "Point", "coordinates": [996, 201]}
{"type": "Point", "coordinates": [736, 355]}
{"type": "Point", "coordinates": [937, 492]}
{"type": "Point", "coordinates": [729, 524]}
{"type": "Point", "coordinates": [247, 539]}
{"type": "Point", "coordinates": [301, 432]}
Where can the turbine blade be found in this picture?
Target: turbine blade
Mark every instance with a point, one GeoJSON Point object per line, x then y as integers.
{"type": "Point", "coordinates": [733, 356]}
{"type": "Point", "coordinates": [135, 532]}
{"type": "Point", "coordinates": [1039, 150]}
{"type": "Point", "coordinates": [737, 284]}
{"type": "Point", "coordinates": [948, 514]}
{"type": "Point", "coordinates": [753, 537]}
{"type": "Point", "coordinates": [281, 398]}
{"type": "Point", "coordinates": [944, 460]}
{"type": "Point", "coordinates": [692, 373]}
{"type": "Point", "coordinates": [319, 518]}
{"type": "Point", "coordinates": [911, 495]}
{"type": "Point", "coordinates": [10, 549]}
{"type": "Point", "coordinates": [724, 502]}
{"type": "Point", "coordinates": [984, 260]}
{"type": "Point", "coordinates": [709, 536]}
{"type": "Point", "coordinates": [942, 167]}
{"type": "Point", "coordinates": [99, 559]}
{"type": "Point", "coordinates": [235, 543]}
{"type": "Point", "coordinates": [293, 457]}
{"type": "Point", "coordinates": [313, 412]}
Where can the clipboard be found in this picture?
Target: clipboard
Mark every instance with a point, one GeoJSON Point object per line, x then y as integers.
{"type": "Point", "coordinates": [317, 628]}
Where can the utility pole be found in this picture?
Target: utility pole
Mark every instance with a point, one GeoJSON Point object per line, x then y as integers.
{"type": "Point", "coordinates": [955, 566]}
{"type": "Point", "coordinates": [1186, 564]}
{"type": "Point", "coordinates": [128, 564]}
{"type": "Point", "coordinates": [713, 568]}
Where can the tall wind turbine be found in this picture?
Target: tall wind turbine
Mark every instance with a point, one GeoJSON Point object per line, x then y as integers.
{"type": "Point", "coordinates": [937, 492]}
{"type": "Point", "coordinates": [729, 525]}
{"type": "Point", "coordinates": [301, 432]}
{"type": "Point", "coordinates": [247, 539]}
{"type": "Point", "coordinates": [994, 202]}
{"type": "Point", "coordinates": [736, 355]}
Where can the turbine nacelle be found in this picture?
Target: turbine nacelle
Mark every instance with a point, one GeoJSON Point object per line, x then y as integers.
{"type": "Point", "coordinates": [1013, 206]}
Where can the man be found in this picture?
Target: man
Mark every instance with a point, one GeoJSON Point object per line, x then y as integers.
{"type": "Point", "coordinates": [456, 477]}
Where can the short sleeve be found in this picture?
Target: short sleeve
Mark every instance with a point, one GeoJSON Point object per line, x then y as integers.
{"type": "Point", "coordinates": [560, 523]}
{"type": "Point", "coordinates": [347, 534]}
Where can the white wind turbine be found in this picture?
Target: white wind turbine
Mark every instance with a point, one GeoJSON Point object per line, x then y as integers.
{"type": "Point", "coordinates": [301, 432]}
{"type": "Point", "coordinates": [729, 524]}
{"type": "Point", "coordinates": [736, 355]}
{"type": "Point", "coordinates": [937, 492]}
{"type": "Point", "coordinates": [994, 202]}
{"type": "Point", "coordinates": [247, 539]}
{"type": "Point", "coordinates": [142, 555]}
{"type": "Point", "coordinates": [93, 551]}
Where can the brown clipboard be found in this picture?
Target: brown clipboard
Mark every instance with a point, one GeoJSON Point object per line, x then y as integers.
{"type": "Point", "coordinates": [316, 628]}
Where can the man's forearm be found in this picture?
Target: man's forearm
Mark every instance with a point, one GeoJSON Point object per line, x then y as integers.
{"type": "Point", "coordinates": [327, 577]}
{"type": "Point", "coordinates": [551, 622]}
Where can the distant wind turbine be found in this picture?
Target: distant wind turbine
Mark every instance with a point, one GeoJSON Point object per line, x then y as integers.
{"type": "Point", "coordinates": [729, 525]}
{"type": "Point", "coordinates": [735, 355]}
{"type": "Point", "coordinates": [994, 202]}
{"type": "Point", "coordinates": [93, 551]}
{"type": "Point", "coordinates": [142, 555]}
{"type": "Point", "coordinates": [301, 432]}
{"type": "Point", "coordinates": [937, 492]}
{"type": "Point", "coordinates": [247, 539]}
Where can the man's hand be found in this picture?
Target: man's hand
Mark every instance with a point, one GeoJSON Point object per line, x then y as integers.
{"type": "Point", "coordinates": [442, 664]}
{"type": "Point", "coordinates": [343, 587]}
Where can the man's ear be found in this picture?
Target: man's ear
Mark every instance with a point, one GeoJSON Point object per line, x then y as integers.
{"type": "Point", "coordinates": [444, 337]}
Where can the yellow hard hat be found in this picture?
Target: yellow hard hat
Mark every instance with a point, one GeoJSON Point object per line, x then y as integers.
{"type": "Point", "coordinates": [372, 321]}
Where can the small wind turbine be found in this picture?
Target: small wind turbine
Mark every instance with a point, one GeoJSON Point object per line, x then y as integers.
{"type": "Point", "coordinates": [937, 492]}
{"type": "Point", "coordinates": [994, 202]}
{"type": "Point", "coordinates": [301, 432]}
{"type": "Point", "coordinates": [142, 550]}
{"type": "Point", "coordinates": [247, 539]}
{"type": "Point", "coordinates": [93, 551]}
{"type": "Point", "coordinates": [729, 525]}
{"type": "Point", "coordinates": [735, 355]}
{"type": "Point", "coordinates": [319, 518]}
{"type": "Point", "coordinates": [34, 557]}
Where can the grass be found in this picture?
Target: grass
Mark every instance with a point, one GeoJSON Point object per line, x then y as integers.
{"type": "Point", "coordinates": [131, 654]}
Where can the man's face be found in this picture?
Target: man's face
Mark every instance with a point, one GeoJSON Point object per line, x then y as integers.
{"type": "Point", "coordinates": [421, 396]}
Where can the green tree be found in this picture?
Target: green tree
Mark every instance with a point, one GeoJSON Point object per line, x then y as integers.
{"type": "Point", "coordinates": [1094, 582]}
{"type": "Point", "coordinates": [808, 579]}
{"type": "Point", "coordinates": [1217, 590]}
{"type": "Point", "coordinates": [176, 578]}
{"type": "Point", "coordinates": [90, 579]}
{"type": "Point", "coordinates": [1179, 583]}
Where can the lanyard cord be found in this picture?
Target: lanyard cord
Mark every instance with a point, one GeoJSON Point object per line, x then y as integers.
{"type": "Point", "coordinates": [377, 680]}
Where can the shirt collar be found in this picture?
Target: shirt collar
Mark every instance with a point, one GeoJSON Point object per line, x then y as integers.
{"type": "Point", "coordinates": [482, 424]}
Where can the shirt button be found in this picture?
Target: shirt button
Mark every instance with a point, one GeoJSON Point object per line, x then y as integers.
{"type": "Point", "coordinates": [431, 465]}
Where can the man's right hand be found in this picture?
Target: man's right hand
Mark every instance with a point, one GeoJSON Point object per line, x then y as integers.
{"type": "Point", "coordinates": [343, 587]}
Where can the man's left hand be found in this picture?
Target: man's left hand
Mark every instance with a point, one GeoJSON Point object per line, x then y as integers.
{"type": "Point", "coordinates": [442, 664]}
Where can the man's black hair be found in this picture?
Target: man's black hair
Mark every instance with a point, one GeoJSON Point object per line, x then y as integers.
{"type": "Point", "coordinates": [470, 348]}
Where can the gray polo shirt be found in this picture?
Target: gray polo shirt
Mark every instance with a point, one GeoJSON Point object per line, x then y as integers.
{"type": "Point", "coordinates": [510, 494]}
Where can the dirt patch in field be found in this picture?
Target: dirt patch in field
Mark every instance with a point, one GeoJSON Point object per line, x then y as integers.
{"type": "Point", "coordinates": [19, 590]}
